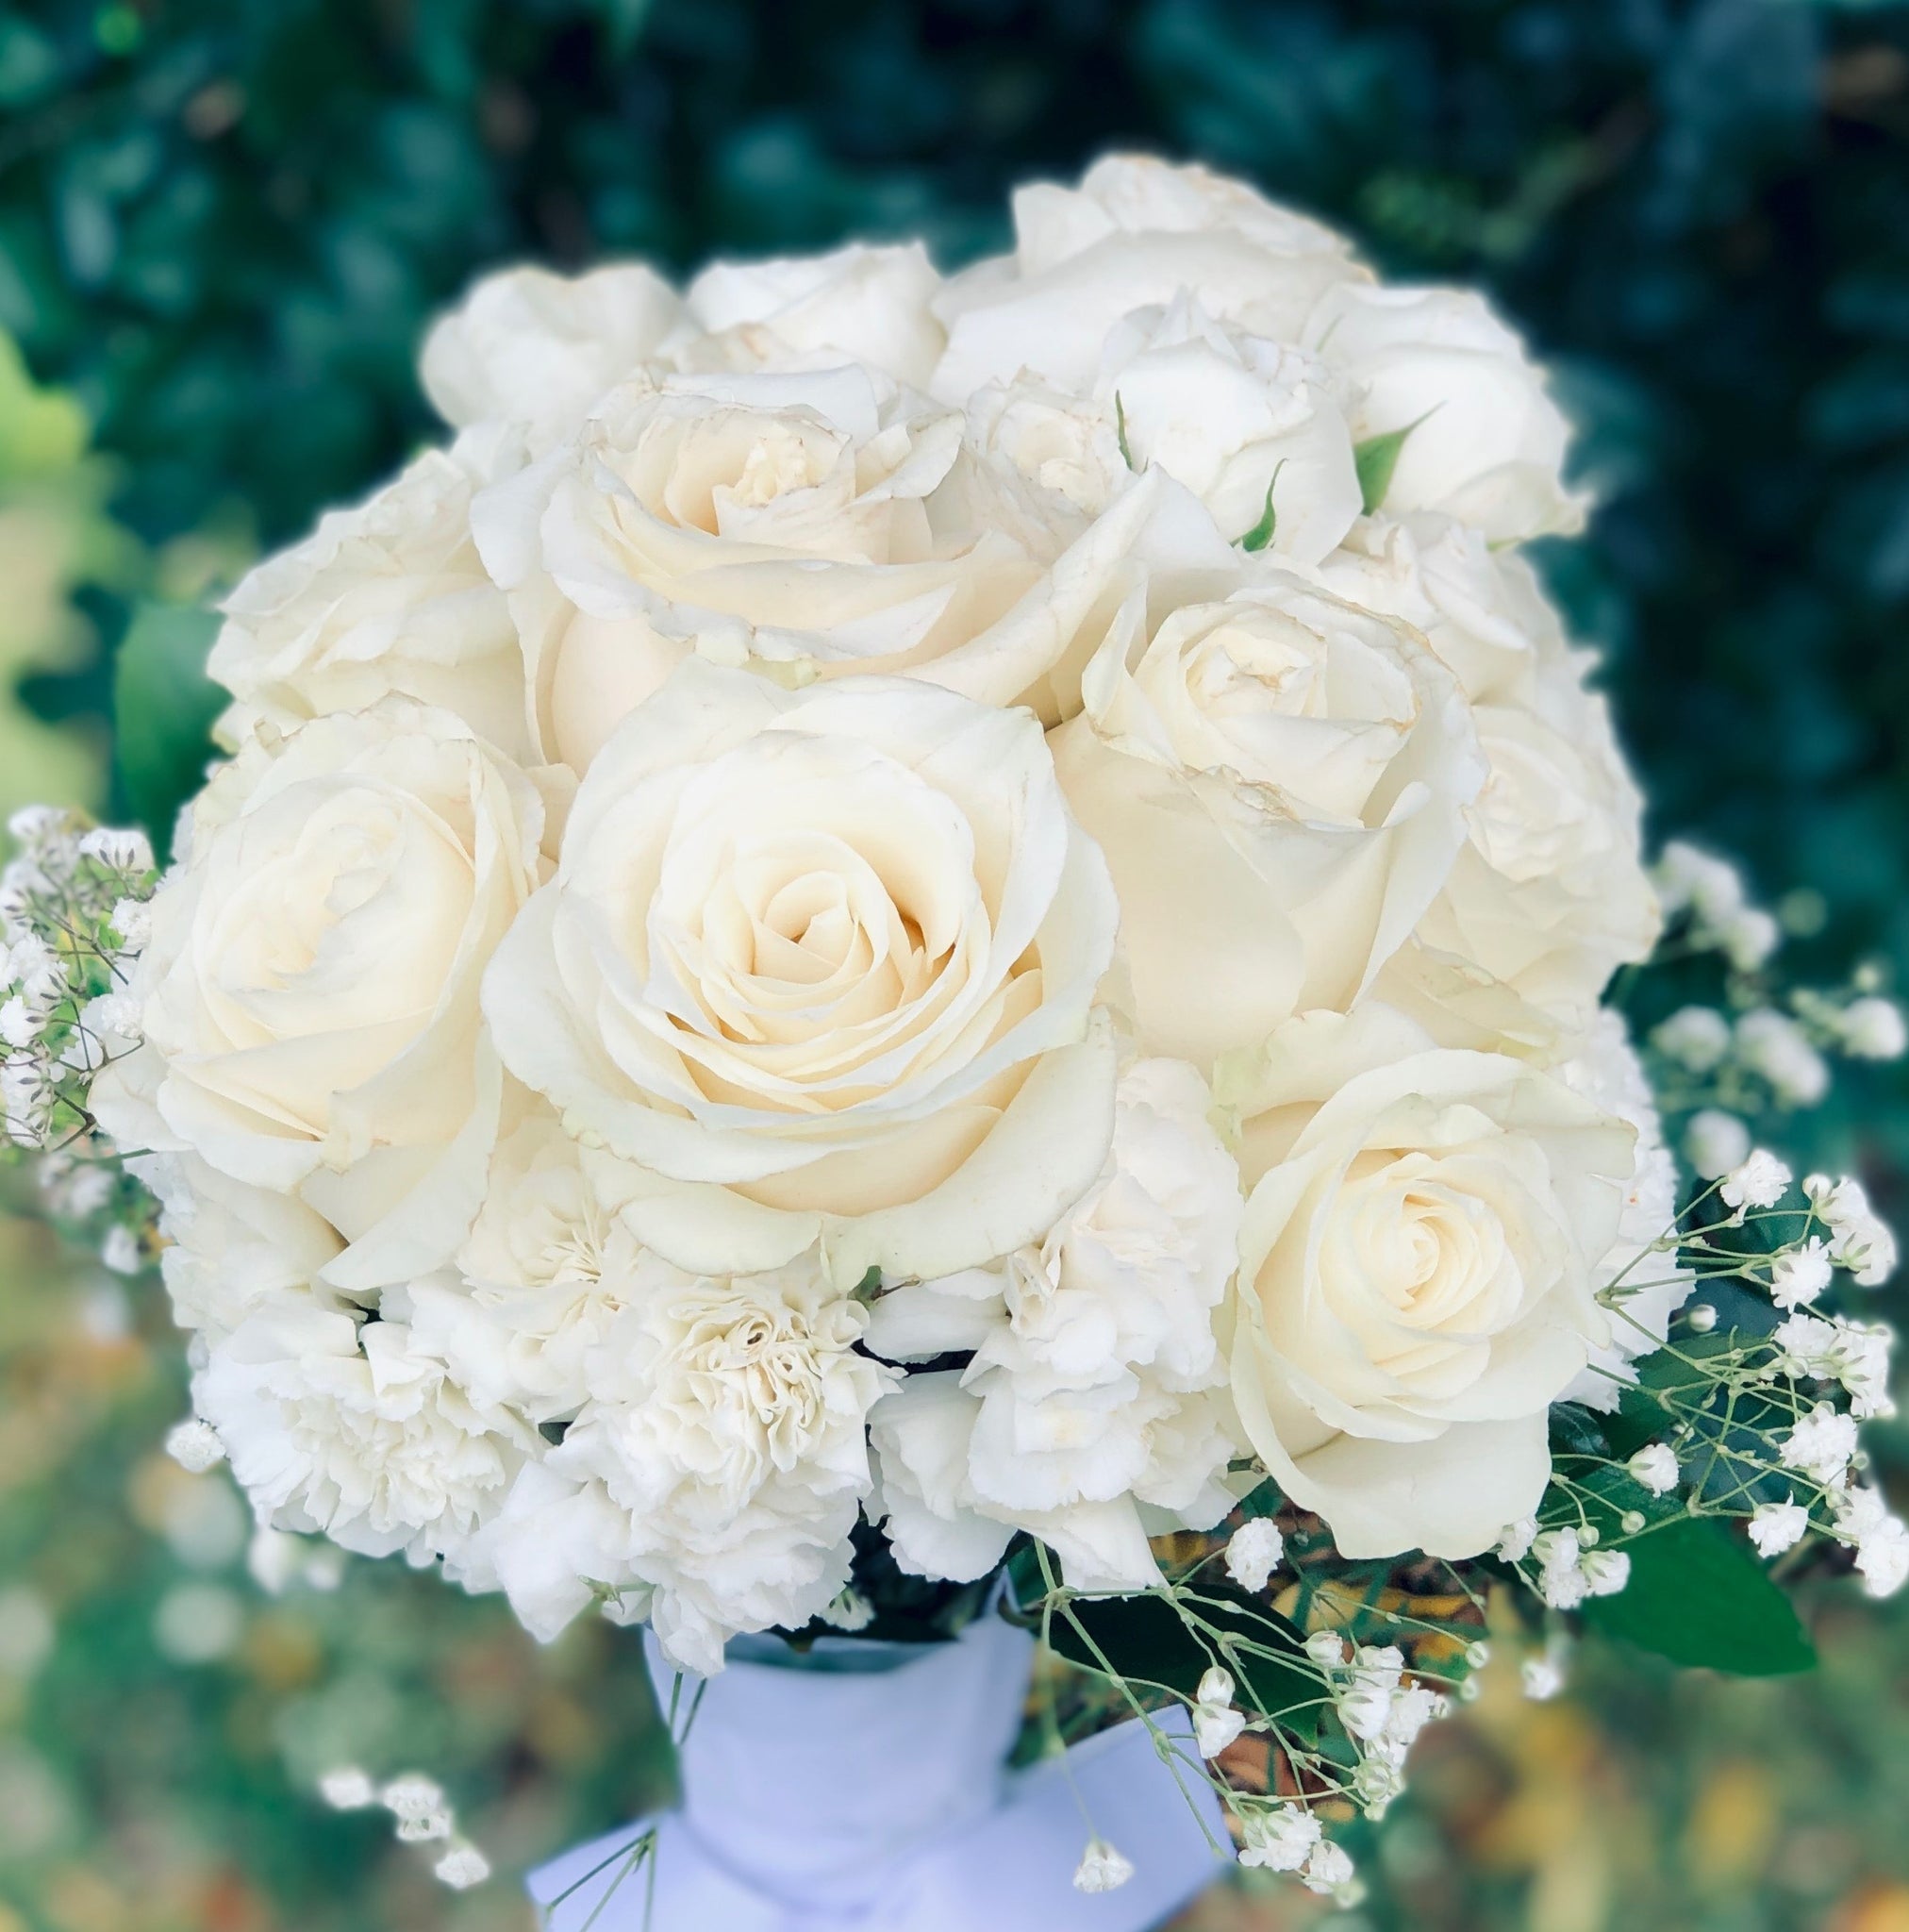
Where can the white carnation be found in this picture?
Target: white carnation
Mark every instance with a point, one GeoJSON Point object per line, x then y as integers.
{"type": "Point", "coordinates": [717, 1468]}
{"type": "Point", "coordinates": [228, 1244]}
{"type": "Point", "coordinates": [1091, 1389]}
{"type": "Point", "coordinates": [546, 1268]}
{"type": "Point", "coordinates": [342, 1426]}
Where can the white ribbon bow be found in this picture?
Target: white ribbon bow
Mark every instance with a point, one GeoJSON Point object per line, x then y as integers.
{"type": "Point", "coordinates": [845, 1799]}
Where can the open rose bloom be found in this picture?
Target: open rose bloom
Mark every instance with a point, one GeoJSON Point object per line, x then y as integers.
{"type": "Point", "coordinates": [887, 928]}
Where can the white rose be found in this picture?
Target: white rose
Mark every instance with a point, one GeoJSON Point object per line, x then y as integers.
{"type": "Point", "coordinates": [1486, 443]}
{"type": "Point", "coordinates": [1482, 609]}
{"type": "Point", "coordinates": [310, 992]}
{"type": "Point", "coordinates": [1416, 1274]}
{"type": "Point", "coordinates": [1278, 783]}
{"type": "Point", "coordinates": [1237, 419]}
{"type": "Point", "coordinates": [544, 1272]}
{"type": "Point", "coordinates": [537, 348]}
{"type": "Point", "coordinates": [344, 1428]}
{"type": "Point", "coordinates": [856, 305]}
{"type": "Point", "coordinates": [1067, 445]}
{"type": "Point", "coordinates": [228, 1244]}
{"type": "Point", "coordinates": [822, 964]}
{"type": "Point", "coordinates": [795, 523]}
{"type": "Point", "coordinates": [1643, 1288]}
{"type": "Point", "coordinates": [1090, 1405]}
{"type": "Point", "coordinates": [1550, 895]}
{"type": "Point", "coordinates": [1241, 422]}
{"type": "Point", "coordinates": [719, 1466]}
{"type": "Point", "coordinates": [387, 598]}
{"type": "Point", "coordinates": [1137, 234]}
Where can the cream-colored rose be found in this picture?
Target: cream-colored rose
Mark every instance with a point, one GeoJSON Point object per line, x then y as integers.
{"type": "Point", "coordinates": [822, 963]}
{"type": "Point", "coordinates": [308, 996]}
{"type": "Point", "coordinates": [1069, 446]}
{"type": "Point", "coordinates": [857, 304]}
{"type": "Point", "coordinates": [1549, 895]}
{"type": "Point", "coordinates": [1137, 234]}
{"type": "Point", "coordinates": [1416, 1282]}
{"type": "Point", "coordinates": [1247, 425]}
{"type": "Point", "coordinates": [1278, 781]}
{"type": "Point", "coordinates": [387, 598]}
{"type": "Point", "coordinates": [1482, 609]}
{"type": "Point", "coordinates": [531, 347]}
{"type": "Point", "coordinates": [1486, 443]}
{"type": "Point", "coordinates": [1242, 423]}
{"type": "Point", "coordinates": [796, 523]}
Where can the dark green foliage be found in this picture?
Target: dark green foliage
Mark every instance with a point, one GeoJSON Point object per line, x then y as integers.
{"type": "Point", "coordinates": [1148, 1641]}
{"type": "Point", "coordinates": [1698, 1596]}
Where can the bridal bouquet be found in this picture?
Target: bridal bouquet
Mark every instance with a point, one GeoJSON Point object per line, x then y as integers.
{"type": "Point", "coordinates": [894, 948]}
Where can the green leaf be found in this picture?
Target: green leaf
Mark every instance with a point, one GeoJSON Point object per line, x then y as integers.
{"type": "Point", "coordinates": [1120, 431]}
{"type": "Point", "coordinates": [163, 709]}
{"type": "Point", "coordinates": [1698, 1596]}
{"type": "Point", "coordinates": [1575, 1431]}
{"type": "Point", "coordinates": [1261, 533]}
{"type": "Point", "coordinates": [1145, 1639]}
{"type": "Point", "coordinates": [1376, 458]}
{"type": "Point", "coordinates": [1681, 1374]}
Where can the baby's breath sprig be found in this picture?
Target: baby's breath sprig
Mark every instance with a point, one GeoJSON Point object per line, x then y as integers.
{"type": "Point", "coordinates": [1767, 1045]}
{"type": "Point", "coordinates": [421, 1815]}
{"type": "Point", "coordinates": [73, 918]}
{"type": "Point", "coordinates": [1302, 1680]}
{"type": "Point", "coordinates": [1748, 1414]}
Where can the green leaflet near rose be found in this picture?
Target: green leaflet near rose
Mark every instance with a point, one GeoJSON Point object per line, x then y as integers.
{"type": "Point", "coordinates": [1376, 458]}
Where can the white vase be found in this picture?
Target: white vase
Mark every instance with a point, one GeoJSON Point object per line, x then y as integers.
{"type": "Point", "coordinates": [864, 1789]}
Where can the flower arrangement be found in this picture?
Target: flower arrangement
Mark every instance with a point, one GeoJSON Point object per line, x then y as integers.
{"type": "Point", "coordinates": [896, 946]}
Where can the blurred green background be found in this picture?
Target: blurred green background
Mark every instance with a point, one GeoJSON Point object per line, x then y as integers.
{"type": "Point", "coordinates": [222, 228]}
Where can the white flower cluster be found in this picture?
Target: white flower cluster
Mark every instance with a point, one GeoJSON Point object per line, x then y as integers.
{"type": "Point", "coordinates": [73, 922]}
{"type": "Point", "coordinates": [977, 905]}
{"type": "Point", "coordinates": [1721, 1065]}
{"type": "Point", "coordinates": [1380, 1710]}
{"type": "Point", "coordinates": [421, 1815]}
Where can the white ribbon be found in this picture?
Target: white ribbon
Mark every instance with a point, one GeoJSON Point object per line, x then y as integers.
{"type": "Point", "coordinates": [866, 1791]}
